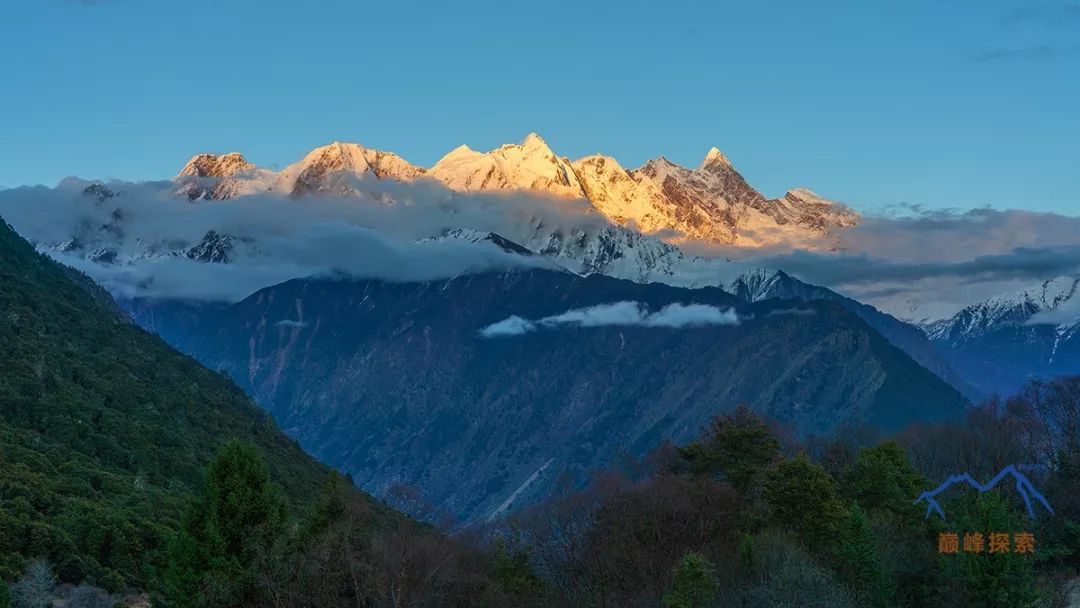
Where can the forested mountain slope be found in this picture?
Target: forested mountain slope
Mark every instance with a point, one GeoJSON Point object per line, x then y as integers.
{"type": "Point", "coordinates": [105, 430]}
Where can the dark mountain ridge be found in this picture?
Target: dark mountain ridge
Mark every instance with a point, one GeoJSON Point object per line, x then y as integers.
{"type": "Point", "coordinates": [393, 382]}
{"type": "Point", "coordinates": [761, 285]}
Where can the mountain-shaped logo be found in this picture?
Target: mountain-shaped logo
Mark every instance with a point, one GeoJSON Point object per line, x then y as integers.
{"type": "Point", "coordinates": [1023, 486]}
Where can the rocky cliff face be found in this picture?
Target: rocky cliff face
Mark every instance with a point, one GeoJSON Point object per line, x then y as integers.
{"type": "Point", "coordinates": [393, 382]}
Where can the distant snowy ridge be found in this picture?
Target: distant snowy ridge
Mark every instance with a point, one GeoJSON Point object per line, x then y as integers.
{"type": "Point", "coordinates": [1053, 302]}
{"type": "Point", "coordinates": [1007, 340]}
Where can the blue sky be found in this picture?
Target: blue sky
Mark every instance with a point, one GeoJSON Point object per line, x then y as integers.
{"type": "Point", "coordinates": [958, 103]}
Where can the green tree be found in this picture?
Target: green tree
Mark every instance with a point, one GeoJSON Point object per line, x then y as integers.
{"type": "Point", "coordinates": [736, 445]}
{"type": "Point", "coordinates": [511, 568]}
{"type": "Point", "coordinates": [239, 514]}
{"type": "Point", "coordinates": [748, 558]}
{"type": "Point", "coordinates": [695, 584]}
{"type": "Point", "coordinates": [802, 498]}
{"type": "Point", "coordinates": [882, 481]}
{"type": "Point", "coordinates": [858, 564]}
{"type": "Point", "coordinates": [988, 579]}
{"type": "Point", "coordinates": [5, 595]}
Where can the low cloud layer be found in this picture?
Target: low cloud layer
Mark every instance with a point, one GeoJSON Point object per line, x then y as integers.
{"type": "Point", "coordinates": [914, 262]}
{"type": "Point", "coordinates": [275, 238]}
{"type": "Point", "coordinates": [672, 316]}
{"type": "Point", "coordinates": [925, 264]}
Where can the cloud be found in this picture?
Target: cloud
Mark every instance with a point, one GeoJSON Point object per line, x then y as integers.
{"type": "Point", "coordinates": [1020, 263]}
{"type": "Point", "coordinates": [920, 263]}
{"type": "Point", "coordinates": [1067, 313]}
{"type": "Point", "coordinates": [691, 315]}
{"type": "Point", "coordinates": [672, 316]}
{"type": "Point", "coordinates": [510, 326]}
{"type": "Point", "coordinates": [908, 260]}
{"type": "Point", "coordinates": [290, 324]}
{"type": "Point", "coordinates": [276, 238]}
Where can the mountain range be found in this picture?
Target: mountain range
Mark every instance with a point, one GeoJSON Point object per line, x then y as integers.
{"type": "Point", "coordinates": [712, 203]}
{"type": "Point", "coordinates": [484, 390]}
{"type": "Point", "coordinates": [396, 381]}
{"type": "Point", "coordinates": [645, 213]}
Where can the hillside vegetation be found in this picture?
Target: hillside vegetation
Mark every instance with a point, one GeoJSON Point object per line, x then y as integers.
{"type": "Point", "coordinates": [105, 430]}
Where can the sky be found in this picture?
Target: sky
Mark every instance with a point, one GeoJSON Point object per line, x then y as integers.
{"type": "Point", "coordinates": [940, 103]}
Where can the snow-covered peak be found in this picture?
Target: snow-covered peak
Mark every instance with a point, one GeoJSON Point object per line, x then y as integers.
{"type": "Point", "coordinates": [318, 170]}
{"type": "Point", "coordinates": [459, 152]}
{"type": "Point", "coordinates": [714, 159]}
{"type": "Point", "coordinates": [214, 165]}
{"type": "Point", "coordinates": [659, 161]}
{"type": "Point", "coordinates": [619, 196]}
{"type": "Point", "coordinates": [712, 202]}
{"type": "Point", "coordinates": [528, 165]}
{"type": "Point", "coordinates": [356, 159]}
{"type": "Point", "coordinates": [760, 284]}
{"type": "Point", "coordinates": [755, 284]}
{"type": "Point", "coordinates": [533, 141]}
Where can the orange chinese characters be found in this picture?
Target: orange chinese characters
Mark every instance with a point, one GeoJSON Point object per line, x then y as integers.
{"type": "Point", "coordinates": [1025, 542]}
{"type": "Point", "coordinates": [948, 542]}
{"type": "Point", "coordinates": [974, 542]}
{"type": "Point", "coordinates": [999, 542]}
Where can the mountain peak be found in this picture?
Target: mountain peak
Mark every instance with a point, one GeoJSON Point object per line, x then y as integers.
{"type": "Point", "coordinates": [529, 165]}
{"type": "Point", "coordinates": [324, 167]}
{"type": "Point", "coordinates": [336, 148]}
{"type": "Point", "coordinates": [215, 165]}
{"type": "Point", "coordinates": [715, 158]}
{"type": "Point", "coordinates": [532, 140]}
{"type": "Point", "coordinates": [656, 165]}
{"type": "Point", "coordinates": [532, 144]}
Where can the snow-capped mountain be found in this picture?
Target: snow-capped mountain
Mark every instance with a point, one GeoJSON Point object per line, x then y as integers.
{"type": "Point", "coordinates": [210, 165]}
{"type": "Point", "coordinates": [762, 284]}
{"type": "Point", "coordinates": [220, 177]}
{"type": "Point", "coordinates": [530, 165]}
{"type": "Point", "coordinates": [1052, 301]}
{"type": "Point", "coordinates": [636, 214]}
{"type": "Point", "coordinates": [1011, 338]}
{"type": "Point", "coordinates": [713, 203]}
{"type": "Point", "coordinates": [644, 211]}
{"type": "Point", "coordinates": [330, 169]}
